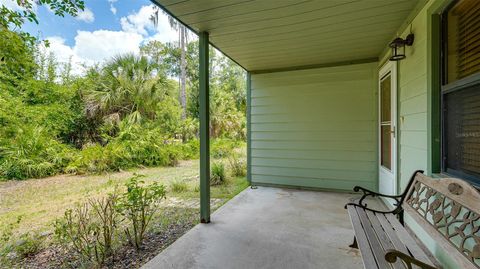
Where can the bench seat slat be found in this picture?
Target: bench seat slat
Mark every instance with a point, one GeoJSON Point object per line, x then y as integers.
{"type": "Point", "coordinates": [391, 233]}
{"type": "Point", "coordinates": [384, 239]}
{"type": "Point", "coordinates": [377, 232]}
{"type": "Point", "coordinates": [375, 244]}
{"type": "Point", "coordinates": [408, 240]}
{"type": "Point", "coordinates": [367, 254]}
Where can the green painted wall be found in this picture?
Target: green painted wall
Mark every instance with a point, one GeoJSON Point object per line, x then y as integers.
{"type": "Point", "coordinates": [414, 113]}
{"type": "Point", "coordinates": [315, 128]}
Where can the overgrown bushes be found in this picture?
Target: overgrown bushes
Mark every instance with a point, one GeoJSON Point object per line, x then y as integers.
{"type": "Point", "coordinates": [33, 154]}
{"type": "Point", "coordinates": [120, 114]}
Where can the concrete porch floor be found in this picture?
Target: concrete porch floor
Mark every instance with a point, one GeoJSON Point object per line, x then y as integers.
{"type": "Point", "coordinates": [269, 228]}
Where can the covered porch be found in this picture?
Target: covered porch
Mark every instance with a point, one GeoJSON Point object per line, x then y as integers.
{"type": "Point", "coordinates": [339, 94]}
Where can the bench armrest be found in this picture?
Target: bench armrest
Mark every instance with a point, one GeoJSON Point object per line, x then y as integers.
{"type": "Point", "coordinates": [367, 193]}
{"type": "Point", "coordinates": [392, 255]}
{"type": "Point", "coordinates": [398, 210]}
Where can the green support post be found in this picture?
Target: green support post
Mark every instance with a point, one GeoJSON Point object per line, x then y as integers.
{"type": "Point", "coordinates": [249, 129]}
{"type": "Point", "coordinates": [204, 129]}
{"type": "Point", "coordinates": [433, 93]}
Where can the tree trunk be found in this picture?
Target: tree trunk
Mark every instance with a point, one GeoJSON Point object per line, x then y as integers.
{"type": "Point", "coordinates": [183, 71]}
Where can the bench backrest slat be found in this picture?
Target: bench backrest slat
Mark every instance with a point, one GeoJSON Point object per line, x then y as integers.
{"type": "Point", "coordinates": [449, 211]}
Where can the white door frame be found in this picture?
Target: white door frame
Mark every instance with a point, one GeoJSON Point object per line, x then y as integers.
{"type": "Point", "coordinates": [388, 68]}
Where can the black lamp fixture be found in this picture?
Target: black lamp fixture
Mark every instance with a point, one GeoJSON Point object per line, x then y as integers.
{"type": "Point", "coordinates": [398, 47]}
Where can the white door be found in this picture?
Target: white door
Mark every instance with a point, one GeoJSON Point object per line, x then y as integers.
{"type": "Point", "coordinates": [387, 129]}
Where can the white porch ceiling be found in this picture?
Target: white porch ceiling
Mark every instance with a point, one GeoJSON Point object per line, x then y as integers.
{"type": "Point", "coordinates": [272, 34]}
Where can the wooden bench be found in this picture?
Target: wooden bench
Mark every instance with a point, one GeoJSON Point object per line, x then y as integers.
{"type": "Point", "coordinates": [448, 209]}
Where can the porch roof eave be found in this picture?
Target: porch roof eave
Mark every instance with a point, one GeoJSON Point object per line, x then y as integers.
{"type": "Point", "coordinates": [265, 36]}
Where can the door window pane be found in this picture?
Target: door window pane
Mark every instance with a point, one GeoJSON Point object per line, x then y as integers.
{"type": "Point", "coordinates": [386, 158]}
{"type": "Point", "coordinates": [385, 122]}
{"type": "Point", "coordinates": [385, 94]}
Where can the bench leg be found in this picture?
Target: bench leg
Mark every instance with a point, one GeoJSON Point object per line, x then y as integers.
{"type": "Point", "coordinates": [354, 244]}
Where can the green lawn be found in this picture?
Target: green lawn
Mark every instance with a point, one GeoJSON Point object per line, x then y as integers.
{"type": "Point", "coordinates": [38, 202]}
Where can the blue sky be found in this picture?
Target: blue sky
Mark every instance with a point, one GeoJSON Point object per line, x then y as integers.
{"type": "Point", "coordinates": [104, 29]}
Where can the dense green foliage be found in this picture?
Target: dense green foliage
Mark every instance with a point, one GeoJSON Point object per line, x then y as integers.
{"type": "Point", "coordinates": [121, 114]}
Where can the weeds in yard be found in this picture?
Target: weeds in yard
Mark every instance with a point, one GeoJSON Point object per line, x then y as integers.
{"type": "Point", "coordinates": [238, 167]}
{"type": "Point", "coordinates": [179, 186]}
{"type": "Point", "coordinates": [6, 236]}
{"type": "Point", "coordinates": [28, 245]}
{"type": "Point", "coordinates": [218, 175]}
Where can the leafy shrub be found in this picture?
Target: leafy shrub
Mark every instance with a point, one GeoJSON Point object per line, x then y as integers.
{"type": "Point", "coordinates": [238, 167]}
{"type": "Point", "coordinates": [190, 149]}
{"type": "Point", "coordinates": [138, 205]}
{"type": "Point", "coordinates": [179, 186]}
{"type": "Point", "coordinates": [218, 175]}
{"type": "Point", "coordinates": [96, 159]}
{"type": "Point", "coordinates": [90, 229]}
{"type": "Point", "coordinates": [189, 129]}
{"type": "Point", "coordinates": [222, 148]}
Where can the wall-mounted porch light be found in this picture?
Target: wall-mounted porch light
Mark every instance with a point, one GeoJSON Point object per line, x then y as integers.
{"type": "Point", "coordinates": [398, 47]}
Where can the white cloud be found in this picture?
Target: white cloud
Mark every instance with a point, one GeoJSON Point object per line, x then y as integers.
{"type": "Point", "coordinates": [141, 23]}
{"type": "Point", "coordinates": [101, 45]}
{"type": "Point", "coordinates": [86, 15]}
{"type": "Point", "coordinates": [113, 9]}
{"type": "Point", "coordinates": [92, 47]}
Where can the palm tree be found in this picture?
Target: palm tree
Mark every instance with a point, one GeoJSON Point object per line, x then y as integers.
{"type": "Point", "coordinates": [127, 86]}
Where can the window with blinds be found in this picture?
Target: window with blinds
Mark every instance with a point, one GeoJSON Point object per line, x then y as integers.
{"type": "Point", "coordinates": [461, 90]}
{"type": "Point", "coordinates": [463, 30]}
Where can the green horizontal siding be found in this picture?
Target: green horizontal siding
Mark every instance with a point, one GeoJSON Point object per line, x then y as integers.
{"type": "Point", "coordinates": [412, 99]}
{"type": "Point", "coordinates": [315, 128]}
